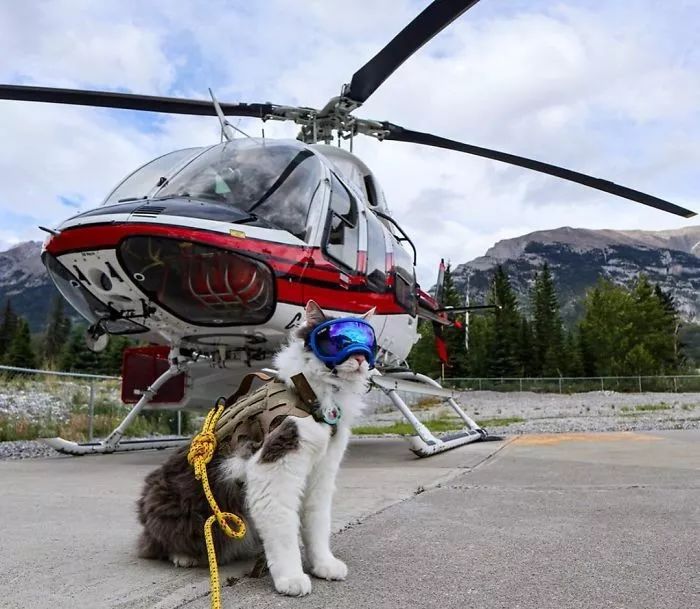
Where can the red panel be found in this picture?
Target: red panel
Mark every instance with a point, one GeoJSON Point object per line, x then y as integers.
{"type": "Point", "coordinates": [143, 365]}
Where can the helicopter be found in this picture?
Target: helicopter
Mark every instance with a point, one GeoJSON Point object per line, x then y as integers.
{"type": "Point", "coordinates": [210, 254]}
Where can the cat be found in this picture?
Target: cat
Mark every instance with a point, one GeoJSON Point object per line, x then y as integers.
{"type": "Point", "coordinates": [283, 487]}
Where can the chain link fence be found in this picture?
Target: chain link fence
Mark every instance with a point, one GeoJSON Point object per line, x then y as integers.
{"type": "Point", "coordinates": [624, 384]}
{"type": "Point", "coordinates": [78, 407]}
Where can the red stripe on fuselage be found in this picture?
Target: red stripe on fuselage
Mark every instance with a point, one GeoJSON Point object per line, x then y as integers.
{"type": "Point", "coordinates": [302, 273]}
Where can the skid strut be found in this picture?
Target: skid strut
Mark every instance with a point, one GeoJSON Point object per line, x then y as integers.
{"type": "Point", "coordinates": [114, 442]}
{"type": "Point", "coordinates": [425, 443]}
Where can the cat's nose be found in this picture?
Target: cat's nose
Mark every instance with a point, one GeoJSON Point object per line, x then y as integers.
{"type": "Point", "coordinates": [359, 358]}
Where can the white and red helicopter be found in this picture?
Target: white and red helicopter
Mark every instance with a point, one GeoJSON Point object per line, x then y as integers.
{"type": "Point", "coordinates": [211, 253]}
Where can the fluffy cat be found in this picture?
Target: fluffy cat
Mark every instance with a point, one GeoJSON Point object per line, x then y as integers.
{"type": "Point", "coordinates": [284, 487]}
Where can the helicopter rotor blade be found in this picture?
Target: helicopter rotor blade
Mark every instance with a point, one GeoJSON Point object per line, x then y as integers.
{"type": "Point", "coordinates": [129, 101]}
{"type": "Point", "coordinates": [430, 22]}
{"type": "Point", "coordinates": [399, 134]}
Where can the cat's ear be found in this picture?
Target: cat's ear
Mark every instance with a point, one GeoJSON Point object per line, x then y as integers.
{"type": "Point", "coordinates": [314, 314]}
{"type": "Point", "coordinates": [369, 314]}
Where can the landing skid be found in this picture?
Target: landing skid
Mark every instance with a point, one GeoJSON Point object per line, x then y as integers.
{"type": "Point", "coordinates": [77, 449]}
{"type": "Point", "coordinates": [113, 442]}
{"type": "Point", "coordinates": [424, 443]}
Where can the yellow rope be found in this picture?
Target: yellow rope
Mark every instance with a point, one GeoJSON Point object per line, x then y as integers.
{"type": "Point", "coordinates": [200, 454]}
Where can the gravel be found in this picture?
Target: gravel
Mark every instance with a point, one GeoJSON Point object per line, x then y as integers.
{"type": "Point", "coordinates": [541, 413]}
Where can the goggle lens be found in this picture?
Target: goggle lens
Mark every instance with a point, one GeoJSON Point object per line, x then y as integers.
{"type": "Point", "coordinates": [335, 340]}
{"type": "Point", "coordinates": [332, 339]}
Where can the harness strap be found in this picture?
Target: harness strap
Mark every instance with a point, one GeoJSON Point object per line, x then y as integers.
{"type": "Point", "coordinates": [305, 392]}
{"type": "Point", "coordinates": [245, 385]}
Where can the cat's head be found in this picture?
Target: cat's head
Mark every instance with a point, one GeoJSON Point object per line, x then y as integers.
{"type": "Point", "coordinates": [300, 352]}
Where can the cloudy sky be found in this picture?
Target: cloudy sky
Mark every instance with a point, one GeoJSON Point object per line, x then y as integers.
{"type": "Point", "coordinates": [607, 88]}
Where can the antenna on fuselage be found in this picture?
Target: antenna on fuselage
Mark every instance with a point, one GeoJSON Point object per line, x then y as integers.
{"type": "Point", "coordinates": [227, 129]}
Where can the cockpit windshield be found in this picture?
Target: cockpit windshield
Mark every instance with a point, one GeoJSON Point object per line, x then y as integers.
{"type": "Point", "coordinates": [272, 182]}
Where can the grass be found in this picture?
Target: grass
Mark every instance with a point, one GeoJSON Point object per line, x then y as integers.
{"type": "Point", "coordinates": [436, 425]}
{"type": "Point", "coordinates": [626, 411]}
{"type": "Point", "coordinates": [652, 407]}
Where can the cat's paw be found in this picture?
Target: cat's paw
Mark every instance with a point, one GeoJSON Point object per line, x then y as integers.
{"type": "Point", "coordinates": [182, 560]}
{"type": "Point", "coordinates": [299, 585]}
{"type": "Point", "coordinates": [331, 568]}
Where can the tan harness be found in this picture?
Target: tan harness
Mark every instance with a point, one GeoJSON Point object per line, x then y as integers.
{"type": "Point", "coordinates": [251, 417]}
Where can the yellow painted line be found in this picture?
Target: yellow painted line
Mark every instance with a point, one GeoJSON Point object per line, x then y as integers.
{"type": "Point", "coordinates": [558, 438]}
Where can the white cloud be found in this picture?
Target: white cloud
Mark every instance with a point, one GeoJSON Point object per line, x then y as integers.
{"type": "Point", "coordinates": [610, 89]}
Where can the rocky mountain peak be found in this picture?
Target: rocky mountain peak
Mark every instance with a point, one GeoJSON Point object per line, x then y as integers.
{"type": "Point", "coordinates": [578, 257]}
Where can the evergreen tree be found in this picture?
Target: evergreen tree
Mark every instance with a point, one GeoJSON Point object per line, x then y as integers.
{"type": "Point", "coordinates": [481, 329]}
{"type": "Point", "coordinates": [454, 335]}
{"type": "Point", "coordinates": [76, 356]}
{"type": "Point", "coordinates": [503, 356]}
{"type": "Point", "coordinates": [525, 348]}
{"type": "Point", "coordinates": [671, 325]}
{"type": "Point", "coordinates": [653, 331]}
{"type": "Point", "coordinates": [423, 357]}
{"type": "Point", "coordinates": [606, 329]}
{"type": "Point", "coordinates": [573, 361]}
{"type": "Point", "coordinates": [20, 352]}
{"type": "Point", "coordinates": [8, 327]}
{"type": "Point", "coordinates": [57, 332]}
{"type": "Point", "coordinates": [546, 326]}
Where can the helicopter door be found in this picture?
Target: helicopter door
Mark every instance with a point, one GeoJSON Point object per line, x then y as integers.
{"type": "Point", "coordinates": [342, 228]}
{"type": "Point", "coordinates": [404, 280]}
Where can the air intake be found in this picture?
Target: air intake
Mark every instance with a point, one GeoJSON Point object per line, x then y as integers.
{"type": "Point", "coordinates": [148, 211]}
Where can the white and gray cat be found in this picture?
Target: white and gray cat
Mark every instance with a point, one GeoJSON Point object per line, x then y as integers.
{"type": "Point", "coordinates": [283, 487]}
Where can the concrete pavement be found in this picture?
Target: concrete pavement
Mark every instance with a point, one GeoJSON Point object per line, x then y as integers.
{"type": "Point", "coordinates": [567, 520]}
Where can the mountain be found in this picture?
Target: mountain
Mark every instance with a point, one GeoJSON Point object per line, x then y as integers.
{"type": "Point", "coordinates": [24, 279]}
{"type": "Point", "coordinates": [578, 257]}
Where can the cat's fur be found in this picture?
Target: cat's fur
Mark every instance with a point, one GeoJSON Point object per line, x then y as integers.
{"type": "Point", "coordinates": [284, 487]}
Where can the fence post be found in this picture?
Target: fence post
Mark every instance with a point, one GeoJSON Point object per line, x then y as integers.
{"type": "Point", "coordinates": [479, 384]}
{"type": "Point", "coordinates": [602, 386]}
{"type": "Point", "coordinates": [559, 384]}
{"type": "Point", "coordinates": [521, 385]}
{"type": "Point", "coordinates": [91, 409]}
{"type": "Point", "coordinates": [179, 422]}
{"type": "Point", "coordinates": [640, 384]}
{"type": "Point", "coordinates": [675, 386]}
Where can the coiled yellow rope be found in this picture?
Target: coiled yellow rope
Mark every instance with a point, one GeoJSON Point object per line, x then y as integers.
{"type": "Point", "coordinates": [200, 454]}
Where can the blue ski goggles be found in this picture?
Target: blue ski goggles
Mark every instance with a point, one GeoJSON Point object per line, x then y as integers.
{"type": "Point", "coordinates": [336, 340]}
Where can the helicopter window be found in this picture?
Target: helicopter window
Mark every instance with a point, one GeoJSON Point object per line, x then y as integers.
{"type": "Point", "coordinates": [343, 229]}
{"type": "Point", "coordinates": [376, 254]}
{"type": "Point", "coordinates": [140, 183]}
{"type": "Point", "coordinates": [273, 183]}
{"type": "Point", "coordinates": [405, 280]}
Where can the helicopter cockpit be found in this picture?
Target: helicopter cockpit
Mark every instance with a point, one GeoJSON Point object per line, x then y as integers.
{"type": "Point", "coordinates": [271, 185]}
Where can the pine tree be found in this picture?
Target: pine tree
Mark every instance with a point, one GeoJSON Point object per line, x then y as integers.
{"type": "Point", "coordinates": [481, 329]}
{"type": "Point", "coordinates": [454, 335]}
{"type": "Point", "coordinates": [57, 332]}
{"type": "Point", "coordinates": [546, 325]}
{"type": "Point", "coordinates": [573, 361]}
{"type": "Point", "coordinates": [76, 356]}
{"type": "Point", "coordinates": [20, 353]}
{"type": "Point", "coordinates": [525, 348]}
{"type": "Point", "coordinates": [8, 328]}
{"type": "Point", "coordinates": [672, 325]}
{"type": "Point", "coordinates": [606, 330]}
{"type": "Point", "coordinates": [423, 358]}
{"type": "Point", "coordinates": [503, 358]}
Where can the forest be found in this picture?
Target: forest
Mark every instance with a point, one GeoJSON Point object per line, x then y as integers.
{"type": "Point", "coordinates": [623, 331]}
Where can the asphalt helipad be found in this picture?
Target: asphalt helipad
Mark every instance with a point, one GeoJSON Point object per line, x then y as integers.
{"type": "Point", "coordinates": [565, 520]}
